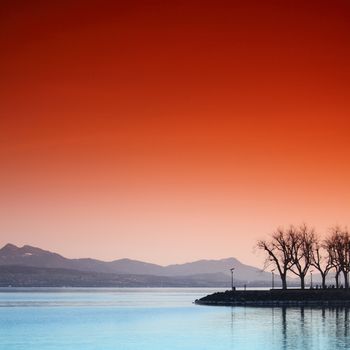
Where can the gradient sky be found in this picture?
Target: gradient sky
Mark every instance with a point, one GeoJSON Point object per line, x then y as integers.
{"type": "Point", "coordinates": [169, 131]}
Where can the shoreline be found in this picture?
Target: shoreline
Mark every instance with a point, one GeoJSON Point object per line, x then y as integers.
{"type": "Point", "coordinates": [278, 297]}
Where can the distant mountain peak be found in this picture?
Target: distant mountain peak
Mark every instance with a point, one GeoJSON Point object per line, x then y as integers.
{"type": "Point", "coordinates": [9, 247]}
{"type": "Point", "coordinates": [13, 249]}
{"type": "Point", "coordinates": [230, 259]}
{"type": "Point", "coordinates": [34, 250]}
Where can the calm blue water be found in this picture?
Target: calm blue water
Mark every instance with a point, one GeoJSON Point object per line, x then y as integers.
{"type": "Point", "coordinates": [164, 319]}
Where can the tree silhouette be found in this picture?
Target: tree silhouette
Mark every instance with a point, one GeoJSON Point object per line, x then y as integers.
{"type": "Point", "coordinates": [278, 249]}
{"type": "Point", "coordinates": [296, 249]}
{"type": "Point", "coordinates": [323, 259]}
{"type": "Point", "coordinates": [302, 242]}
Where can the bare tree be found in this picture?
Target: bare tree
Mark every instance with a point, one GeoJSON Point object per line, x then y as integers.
{"type": "Point", "coordinates": [330, 245]}
{"type": "Point", "coordinates": [339, 242]}
{"type": "Point", "coordinates": [302, 243]}
{"type": "Point", "coordinates": [278, 249]}
{"type": "Point", "coordinates": [322, 258]}
{"type": "Point", "coordinates": [298, 248]}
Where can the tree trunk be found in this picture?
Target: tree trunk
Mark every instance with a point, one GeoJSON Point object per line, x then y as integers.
{"type": "Point", "coordinates": [284, 282]}
{"type": "Point", "coordinates": [323, 281]}
{"type": "Point", "coordinates": [337, 279]}
{"type": "Point", "coordinates": [302, 281]}
{"type": "Point", "coordinates": [346, 281]}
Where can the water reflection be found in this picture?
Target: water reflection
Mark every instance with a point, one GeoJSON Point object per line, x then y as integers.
{"type": "Point", "coordinates": [295, 327]}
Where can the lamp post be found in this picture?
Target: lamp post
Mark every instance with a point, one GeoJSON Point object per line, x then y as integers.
{"type": "Point", "coordinates": [311, 286]}
{"type": "Point", "coordinates": [273, 278]}
{"type": "Point", "coordinates": [232, 269]}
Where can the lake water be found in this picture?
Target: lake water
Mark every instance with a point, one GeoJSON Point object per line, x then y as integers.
{"type": "Point", "coordinates": [164, 319]}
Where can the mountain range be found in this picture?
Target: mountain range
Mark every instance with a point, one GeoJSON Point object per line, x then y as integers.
{"type": "Point", "coordinates": [31, 266]}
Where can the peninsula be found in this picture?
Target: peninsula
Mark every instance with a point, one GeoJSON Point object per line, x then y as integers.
{"type": "Point", "coordinates": [297, 250]}
{"type": "Point", "coordinates": [279, 297]}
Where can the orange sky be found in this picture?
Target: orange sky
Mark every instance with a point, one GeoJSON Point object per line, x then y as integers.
{"type": "Point", "coordinates": [169, 131]}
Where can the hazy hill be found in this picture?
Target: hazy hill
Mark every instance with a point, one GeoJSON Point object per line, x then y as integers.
{"type": "Point", "coordinates": [29, 276]}
{"type": "Point", "coordinates": [207, 271]}
{"type": "Point", "coordinates": [242, 272]}
{"type": "Point", "coordinates": [32, 256]}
